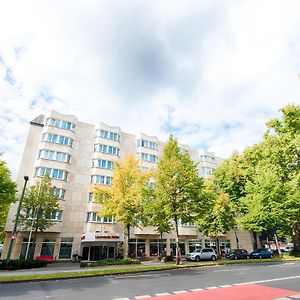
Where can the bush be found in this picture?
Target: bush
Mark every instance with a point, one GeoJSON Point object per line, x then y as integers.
{"type": "Point", "coordinates": [295, 253]}
{"type": "Point", "coordinates": [17, 264]}
{"type": "Point", "coordinates": [168, 258]}
{"type": "Point", "coordinates": [111, 261]}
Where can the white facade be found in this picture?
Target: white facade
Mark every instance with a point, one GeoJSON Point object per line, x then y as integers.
{"type": "Point", "coordinates": [76, 154]}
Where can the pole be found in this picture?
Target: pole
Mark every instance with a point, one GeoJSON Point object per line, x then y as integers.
{"type": "Point", "coordinates": [26, 178]}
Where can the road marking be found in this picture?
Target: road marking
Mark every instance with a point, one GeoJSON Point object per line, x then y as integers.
{"type": "Point", "coordinates": [225, 285]}
{"type": "Point", "coordinates": [142, 297]}
{"type": "Point", "coordinates": [162, 294]}
{"type": "Point", "coordinates": [231, 270]}
{"type": "Point", "coordinates": [121, 299]}
{"type": "Point", "coordinates": [211, 287]}
{"type": "Point", "coordinates": [180, 292]}
{"type": "Point", "coordinates": [196, 290]}
{"type": "Point", "coordinates": [283, 298]}
{"type": "Point", "coordinates": [295, 296]}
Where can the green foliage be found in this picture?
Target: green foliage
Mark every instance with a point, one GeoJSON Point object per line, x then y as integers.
{"type": "Point", "coordinates": [124, 199]}
{"type": "Point", "coordinates": [179, 189]}
{"type": "Point", "coordinates": [38, 204]}
{"type": "Point", "coordinates": [265, 179]}
{"type": "Point", "coordinates": [8, 190]}
{"type": "Point", "coordinates": [18, 264]}
{"type": "Point", "coordinates": [125, 261]}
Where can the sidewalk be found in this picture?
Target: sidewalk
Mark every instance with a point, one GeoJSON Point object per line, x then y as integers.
{"type": "Point", "coordinates": [65, 267]}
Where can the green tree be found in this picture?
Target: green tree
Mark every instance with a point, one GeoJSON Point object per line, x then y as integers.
{"type": "Point", "coordinates": [218, 218]}
{"type": "Point", "coordinates": [39, 203]}
{"type": "Point", "coordinates": [124, 199]}
{"type": "Point", "coordinates": [8, 190]}
{"type": "Point", "coordinates": [178, 187]}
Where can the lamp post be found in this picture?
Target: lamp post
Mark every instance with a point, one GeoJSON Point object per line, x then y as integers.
{"type": "Point", "coordinates": [13, 237]}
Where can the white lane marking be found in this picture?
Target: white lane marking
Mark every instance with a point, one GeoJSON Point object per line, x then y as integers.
{"type": "Point", "coordinates": [241, 273]}
{"type": "Point", "coordinates": [162, 294]}
{"type": "Point", "coordinates": [268, 280]}
{"type": "Point", "coordinates": [179, 292]}
{"type": "Point", "coordinates": [121, 299]}
{"type": "Point", "coordinates": [211, 287]}
{"type": "Point", "coordinates": [283, 298]}
{"type": "Point", "coordinates": [232, 270]}
{"type": "Point", "coordinates": [142, 297]}
{"type": "Point", "coordinates": [225, 285]}
{"type": "Point", "coordinates": [295, 296]}
{"type": "Point", "coordinates": [196, 290]}
{"type": "Point", "coordinates": [242, 283]}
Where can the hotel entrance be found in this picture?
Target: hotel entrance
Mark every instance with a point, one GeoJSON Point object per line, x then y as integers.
{"type": "Point", "coordinates": [97, 246]}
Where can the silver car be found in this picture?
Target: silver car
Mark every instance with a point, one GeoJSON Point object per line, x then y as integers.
{"type": "Point", "coordinates": [202, 254]}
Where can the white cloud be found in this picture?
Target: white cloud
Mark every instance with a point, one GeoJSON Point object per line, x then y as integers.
{"type": "Point", "coordinates": [212, 72]}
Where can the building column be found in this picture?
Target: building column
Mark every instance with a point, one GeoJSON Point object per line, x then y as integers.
{"type": "Point", "coordinates": [147, 247]}
{"type": "Point", "coordinates": [57, 248]}
{"type": "Point", "coordinates": [168, 246]}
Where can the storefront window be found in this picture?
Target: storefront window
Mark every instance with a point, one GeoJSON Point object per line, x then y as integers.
{"type": "Point", "coordinates": [194, 244]}
{"type": "Point", "coordinates": [48, 247]}
{"type": "Point", "coordinates": [65, 248]}
{"type": "Point", "coordinates": [137, 248]}
{"type": "Point", "coordinates": [155, 247]}
{"type": "Point", "coordinates": [173, 247]}
{"type": "Point", "coordinates": [30, 250]}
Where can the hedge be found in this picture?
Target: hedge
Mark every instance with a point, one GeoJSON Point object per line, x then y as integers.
{"type": "Point", "coordinates": [111, 261]}
{"type": "Point", "coordinates": [17, 264]}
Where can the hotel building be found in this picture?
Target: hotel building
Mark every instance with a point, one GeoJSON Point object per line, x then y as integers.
{"type": "Point", "coordinates": [76, 155]}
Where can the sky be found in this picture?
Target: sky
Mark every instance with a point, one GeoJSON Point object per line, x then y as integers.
{"type": "Point", "coordinates": [210, 72]}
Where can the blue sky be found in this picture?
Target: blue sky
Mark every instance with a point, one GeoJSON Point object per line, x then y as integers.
{"type": "Point", "coordinates": [209, 72]}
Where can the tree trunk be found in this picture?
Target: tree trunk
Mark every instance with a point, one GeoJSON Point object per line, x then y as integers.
{"type": "Point", "coordinates": [254, 240]}
{"type": "Point", "coordinates": [218, 247]}
{"type": "Point", "coordinates": [296, 236]}
{"type": "Point", "coordinates": [178, 252]}
{"type": "Point", "coordinates": [126, 242]}
{"type": "Point", "coordinates": [237, 240]}
{"type": "Point", "coordinates": [160, 246]}
{"type": "Point", "coordinates": [277, 245]}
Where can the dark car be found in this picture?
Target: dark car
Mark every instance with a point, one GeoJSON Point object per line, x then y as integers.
{"type": "Point", "coordinates": [237, 254]}
{"type": "Point", "coordinates": [261, 253]}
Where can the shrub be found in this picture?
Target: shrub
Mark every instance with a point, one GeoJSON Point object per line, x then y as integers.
{"type": "Point", "coordinates": [295, 253]}
{"type": "Point", "coordinates": [168, 258]}
{"type": "Point", "coordinates": [111, 261]}
{"type": "Point", "coordinates": [17, 264]}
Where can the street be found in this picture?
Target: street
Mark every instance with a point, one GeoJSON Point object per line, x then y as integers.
{"type": "Point", "coordinates": [245, 281]}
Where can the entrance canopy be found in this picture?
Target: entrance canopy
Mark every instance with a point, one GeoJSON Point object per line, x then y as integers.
{"type": "Point", "coordinates": [102, 237]}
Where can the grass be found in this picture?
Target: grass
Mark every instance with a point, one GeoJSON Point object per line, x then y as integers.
{"type": "Point", "coordinates": [133, 269]}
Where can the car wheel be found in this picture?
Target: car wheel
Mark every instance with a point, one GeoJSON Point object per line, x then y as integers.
{"type": "Point", "coordinates": [235, 258]}
{"type": "Point", "coordinates": [197, 258]}
{"type": "Point", "coordinates": [247, 257]}
{"type": "Point", "coordinates": [213, 257]}
{"type": "Point", "coordinates": [260, 256]}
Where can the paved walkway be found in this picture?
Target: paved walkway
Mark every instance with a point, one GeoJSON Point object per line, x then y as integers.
{"type": "Point", "coordinates": [62, 267]}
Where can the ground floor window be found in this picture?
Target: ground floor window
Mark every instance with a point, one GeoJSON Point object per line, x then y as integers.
{"type": "Point", "coordinates": [173, 247]}
{"type": "Point", "coordinates": [48, 246]}
{"type": "Point", "coordinates": [94, 253]}
{"type": "Point", "coordinates": [225, 246]}
{"type": "Point", "coordinates": [25, 248]}
{"type": "Point", "coordinates": [65, 251]}
{"type": "Point", "coordinates": [210, 244]}
{"type": "Point", "coordinates": [155, 246]}
{"type": "Point", "coordinates": [137, 248]}
{"type": "Point", "coordinates": [194, 244]}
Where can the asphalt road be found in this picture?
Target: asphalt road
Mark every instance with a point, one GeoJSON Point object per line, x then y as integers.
{"type": "Point", "coordinates": [277, 275]}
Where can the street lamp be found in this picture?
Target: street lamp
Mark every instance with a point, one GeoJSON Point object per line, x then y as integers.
{"type": "Point", "coordinates": [13, 237]}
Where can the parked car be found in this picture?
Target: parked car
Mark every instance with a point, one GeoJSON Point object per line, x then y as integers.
{"type": "Point", "coordinates": [202, 254]}
{"type": "Point", "coordinates": [261, 253]}
{"type": "Point", "coordinates": [237, 254]}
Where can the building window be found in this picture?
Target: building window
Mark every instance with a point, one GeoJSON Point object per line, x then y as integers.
{"type": "Point", "coordinates": [102, 163]}
{"type": "Point", "coordinates": [53, 173]}
{"type": "Point", "coordinates": [60, 193]}
{"type": "Point", "coordinates": [207, 170]}
{"type": "Point", "coordinates": [149, 157]}
{"type": "Point", "coordinates": [91, 197]}
{"type": "Point", "coordinates": [109, 135]}
{"type": "Point", "coordinates": [137, 248]}
{"type": "Point", "coordinates": [55, 155]}
{"type": "Point", "coordinates": [173, 247]}
{"type": "Point", "coordinates": [106, 149]}
{"type": "Point", "coordinates": [147, 144]}
{"type": "Point", "coordinates": [56, 215]}
{"type": "Point", "coordinates": [57, 139]}
{"type": "Point", "coordinates": [65, 247]}
{"type": "Point", "coordinates": [206, 158]}
{"type": "Point", "coordinates": [188, 224]}
{"type": "Point", "coordinates": [61, 124]}
{"type": "Point", "coordinates": [94, 217]}
{"type": "Point", "coordinates": [100, 179]}
{"type": "Point", "coordinates": [47, 247]}
{"type": "Point", "coordinates": [194, 245]}
{"type": "Point", "coordinates": [155, 246]}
